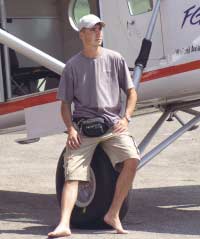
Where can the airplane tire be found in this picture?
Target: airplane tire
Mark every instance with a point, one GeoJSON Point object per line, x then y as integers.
{"type": "Point", "coordinates": [91, 216]}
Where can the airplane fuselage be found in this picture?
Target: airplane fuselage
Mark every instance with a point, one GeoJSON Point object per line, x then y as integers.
{"type": "Point", "coordinates": [173, 70]}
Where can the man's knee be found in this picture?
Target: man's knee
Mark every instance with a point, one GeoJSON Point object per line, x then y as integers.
{"type": "Point", "coordinates": [131, 164]}
{"type": "Point", "coordinates": [71, 182]}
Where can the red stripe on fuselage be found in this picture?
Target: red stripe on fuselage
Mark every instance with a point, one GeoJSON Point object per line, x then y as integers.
{"type": "Point", "coordinates": [169, 71]}
{"type": "Point", "coordinates": [21, 104]}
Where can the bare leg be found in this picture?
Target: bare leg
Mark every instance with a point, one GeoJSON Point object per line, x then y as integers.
{"type": "Point", "coordinates": [123, 184]}
{"type": "Point", "coordinates": [69, 196]}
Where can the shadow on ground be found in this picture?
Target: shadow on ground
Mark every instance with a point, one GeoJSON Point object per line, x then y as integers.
{"type": "Point", "coordinates": [173, 210]}
{"type": "Point", "coordinates": [41, 210]}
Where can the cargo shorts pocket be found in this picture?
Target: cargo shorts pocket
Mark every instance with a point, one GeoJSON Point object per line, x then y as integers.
{"type": "Point", "coordinates": [136, 147]}
{"type": "Point", "coordinates": [67, 157]}
{"type": "Point", "coordinates": [134, 143]}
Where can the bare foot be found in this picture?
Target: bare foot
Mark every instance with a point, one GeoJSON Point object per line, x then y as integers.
{"type": "Point", "coordinates": [60, 231]}
{"type": "Point", "coordinates": [115, 223]}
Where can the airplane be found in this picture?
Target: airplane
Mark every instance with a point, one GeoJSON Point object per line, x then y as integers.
{"type": "Point", "coordinates": [38, 36]}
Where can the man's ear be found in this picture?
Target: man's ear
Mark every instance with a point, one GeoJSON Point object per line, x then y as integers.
{"type": "Point", "coordinates": [81, 34]}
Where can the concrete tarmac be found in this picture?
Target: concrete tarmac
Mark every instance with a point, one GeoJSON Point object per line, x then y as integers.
{"type": "Point", "coordinates": [165, 195]}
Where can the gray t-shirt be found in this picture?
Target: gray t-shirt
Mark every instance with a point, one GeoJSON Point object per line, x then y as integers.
{"type": "Point", "coordinates": [94, 84]}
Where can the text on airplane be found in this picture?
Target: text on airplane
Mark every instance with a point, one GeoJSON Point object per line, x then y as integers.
{"type": "Point", "coordinates": [192, 14]}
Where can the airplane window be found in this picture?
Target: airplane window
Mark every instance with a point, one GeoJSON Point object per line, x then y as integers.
{"type": "Point", "coordinates": [81, 8]}
{"type": "Point", "coordinates": [137, 7]}
{"type": "Point", "coordinates": [77, 9]}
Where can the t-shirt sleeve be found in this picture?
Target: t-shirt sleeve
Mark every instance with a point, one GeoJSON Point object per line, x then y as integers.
{"type": "Point", "coordinates": [66, 85]}
{"type": "Point", "coordinates": [125, 80]}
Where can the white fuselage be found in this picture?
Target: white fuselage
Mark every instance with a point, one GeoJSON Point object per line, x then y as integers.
{"type": "Point", "coordinates": [173, 70]}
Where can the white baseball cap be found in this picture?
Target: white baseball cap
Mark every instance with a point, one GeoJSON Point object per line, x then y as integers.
{"type": "Point", "coordinates": [88, 21]}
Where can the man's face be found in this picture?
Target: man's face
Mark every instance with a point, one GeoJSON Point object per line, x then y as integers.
{"type": "Point", "coordinates": [92, 36]}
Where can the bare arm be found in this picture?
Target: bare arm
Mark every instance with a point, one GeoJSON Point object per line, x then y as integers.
{"type": "Point", "coordinates": [130, 107]}
{"type": "Point", "coordinates": [66, 115]}
{"type": "Point", "coordinates": [131, 102]}
{"type": "Point", "coordinates": [74, 139]}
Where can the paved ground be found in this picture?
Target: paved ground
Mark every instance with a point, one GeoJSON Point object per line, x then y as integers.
{"type": "Point", "coordinates": [165, 198]}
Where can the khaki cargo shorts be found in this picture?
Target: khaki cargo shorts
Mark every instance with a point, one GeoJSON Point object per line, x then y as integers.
{"type": "Point", "coordinates": [118, 147]}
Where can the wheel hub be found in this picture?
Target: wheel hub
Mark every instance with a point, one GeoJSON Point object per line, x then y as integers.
{"type": "Point", "coordinates": [86, 191]}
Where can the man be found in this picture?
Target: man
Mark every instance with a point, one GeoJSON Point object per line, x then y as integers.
{"type": "Point", "coordinates": [92, 80]}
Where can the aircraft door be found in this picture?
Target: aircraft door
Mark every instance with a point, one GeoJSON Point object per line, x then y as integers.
{"type": "Point", "coordinates": [181, 34]}
{"type": "Point", "coordinates": [127, 26]}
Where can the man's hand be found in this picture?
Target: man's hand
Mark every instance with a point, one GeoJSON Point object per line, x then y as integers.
{"type": "Point", "coordinates": [121, 126]}
{"type": "Point", "coordinates": [74, 139]}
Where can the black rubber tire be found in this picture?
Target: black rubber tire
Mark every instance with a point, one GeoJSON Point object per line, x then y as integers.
{"type": "Point", "coordinates": [91, 217]}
